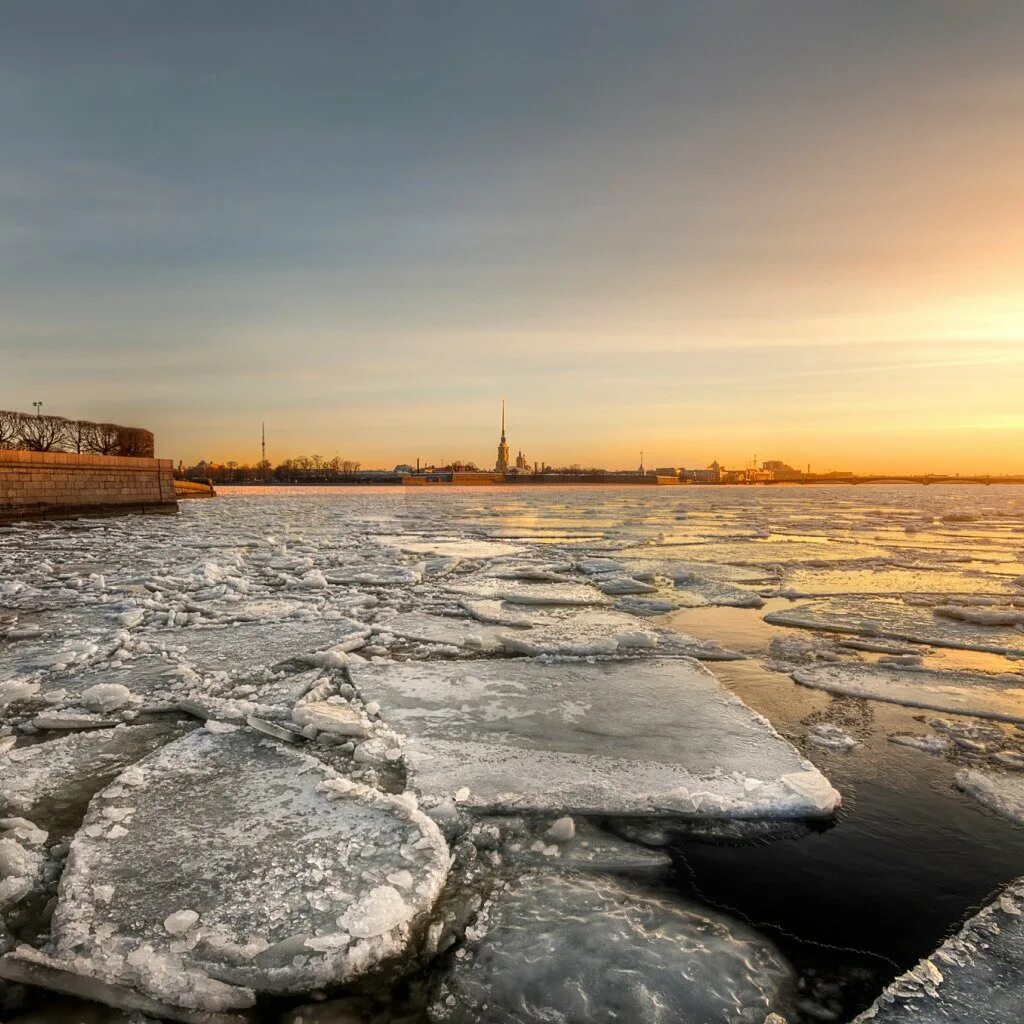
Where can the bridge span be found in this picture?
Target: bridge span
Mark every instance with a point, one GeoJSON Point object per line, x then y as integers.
{"type": "Point", "coordinates": [924, 479]}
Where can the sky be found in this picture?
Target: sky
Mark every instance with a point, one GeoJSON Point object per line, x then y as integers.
{"type": "Point", "coordinates": [786, 230]}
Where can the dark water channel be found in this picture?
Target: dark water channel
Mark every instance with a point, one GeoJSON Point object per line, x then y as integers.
{"type": "Point", "coordinates": [907, 860]}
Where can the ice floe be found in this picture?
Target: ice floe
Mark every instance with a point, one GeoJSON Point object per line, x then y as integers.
{"type": "Point", "coordinates": [589, 948]}
{"type": "Point", "coordinates": [52, 782]}
{"type": "Point", "coordinates": [1002, 792]}
{"type": "Point", "coordinates": [226, 864]}
{"type": "Point", "coordinates": [999, 697]}
{"type": "Point", "coordinates": [524, 593]}
{"type": "Point", "coordinates": [456, 547]}
{"type": "Point", "coordinates": [974, 977]}
{"type": "Point", "coordinates": [896, 619]}
{"type": "Point", "coordinates": [646, 736]}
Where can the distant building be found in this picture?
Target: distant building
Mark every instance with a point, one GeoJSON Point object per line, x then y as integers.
{"type": "Point", "coordinates": [404, 469]}
{"type": "Point", "coordinates": [521, 462]}
{"type": "Point", "coordinates": [711, 475]}
{"type": "Point", "coordinates": [780, 471]}
{"type": "Point", "coordinates": [502, 463]}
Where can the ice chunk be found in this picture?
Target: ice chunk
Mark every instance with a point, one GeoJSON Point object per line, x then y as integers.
{"type": "Point", "coordinates": [620, 585]}
{"type": "Point", "coordinates": [380, 911]}
{"type": "Point", "coordinates": [1001, 792]}
{"type": "Point", "coordinates": [574, 631]}
{"type": "Point", "coordinates": [589, 849]}
{"type": "Point", "coordinates": [561, 830]}
{"type": "Point", "coordinates": [21, 861]}
{"type": "Point", "coordinates": [32, 967]}
{"type": "Point", "coordinates": [335, 718]}
{"type": "Point", "coordinates": [573, 947]}
{"type": "Point", "coordinates": [180, 921]}
{"type": "Point", "coordinates": [972, 978]}
{"type": "Point", "coordinates": [827, 735]}
{"type": "Point", "coordinates": [264, 844]}
{"type": "Point", "coordinates": [17, 690]}
{"type": "Point", "coordinates": [588, 631]}
{"type": "Point", "coordinates": [106, 697]}
{"type": "Point", "coordinates": [983, 616]}
{"type": "Point", "coordinates": [650, 736]}
{"type": "Point", "coordinates": [929, 744]}
{"type": "Point", "coordinates": [964, 693]}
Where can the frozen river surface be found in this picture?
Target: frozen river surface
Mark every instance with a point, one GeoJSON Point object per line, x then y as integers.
{"type": "Point", "coordinates": [582, 754]}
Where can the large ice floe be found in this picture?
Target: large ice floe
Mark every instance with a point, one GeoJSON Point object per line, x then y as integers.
{"type": "Point", "coordinates": [617, 737]}
{"type": "Point", "coordinates": [578, 632]}
{"type": "Point", "coordinates": [985, 696]}
{"type": "Point", "coordinates": [589, 948]}
{"type": "Point", "coordinates": [972, 978]}
{"type": "Point", "coordinates": [911, 619]}
{"type": "Point", "coordinates": [226, 865]}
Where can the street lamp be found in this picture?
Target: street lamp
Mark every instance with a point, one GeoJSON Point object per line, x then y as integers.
{"type": "Point", "coordinates": [39, 408]}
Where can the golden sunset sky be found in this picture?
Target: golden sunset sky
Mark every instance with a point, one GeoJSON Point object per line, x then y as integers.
{"type": "Point", "coordinates": [794, 230]}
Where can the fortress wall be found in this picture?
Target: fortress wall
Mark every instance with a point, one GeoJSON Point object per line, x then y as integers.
{"type": "Point", "coordinates": [53, 485]}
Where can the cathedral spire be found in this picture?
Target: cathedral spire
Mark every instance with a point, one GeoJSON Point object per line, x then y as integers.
{"type": "Point", "coordinates": [501, 465]}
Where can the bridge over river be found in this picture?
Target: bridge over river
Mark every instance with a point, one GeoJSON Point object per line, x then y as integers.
{"type": "Point", "coordinates": [902, 479]}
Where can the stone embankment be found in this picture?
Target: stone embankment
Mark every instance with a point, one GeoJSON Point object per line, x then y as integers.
{"type": "Point", "coordinates": [194, 489]}
{"type": "Point", "coordinates": [56, 485]}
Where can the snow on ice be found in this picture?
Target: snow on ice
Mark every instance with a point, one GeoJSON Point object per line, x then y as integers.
{"type": "Point", "coordinates": [613, 737]}
{"type": "Point", "coordinates": [225, 864]}
{"type": "Point", "coordinates": [590, 948]}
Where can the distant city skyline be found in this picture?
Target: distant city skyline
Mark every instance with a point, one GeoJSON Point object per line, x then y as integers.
{"type": "Point", "coordinates": [703, 230]}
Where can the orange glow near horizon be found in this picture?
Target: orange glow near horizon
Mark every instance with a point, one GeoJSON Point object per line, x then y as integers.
{"type": "Point", "coordinates": [788, 231]}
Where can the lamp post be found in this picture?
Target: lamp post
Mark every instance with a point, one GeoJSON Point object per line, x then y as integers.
{"type": "Point", "coordinates": [39, 408]}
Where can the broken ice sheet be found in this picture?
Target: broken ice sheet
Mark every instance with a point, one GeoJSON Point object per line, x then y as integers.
{"type": "Point", "coordinates": [628, 737]}
{"type": "Point", "coordinates": [457, 547]}
{"type": "Point", "coordinates": [226, 864]}
{"type": "Point", "coordinates": [1001, 792]}
{"type": "Point", "coordinates": [569, 947]}
{"type": "Point", "coordinates": [895, 619]}
{"type": "Point", "coordinates": [519, 592]}
{"type": "Point", "coordinates": [446, 630]}
{"type": "Point", "coordinates": [972, 978]}
{"type": "Point", "coordinates": [999, 697]}
{"type": "Point", "coordinates": [581, 846]}
{"type": "Point", "coordinates": [51, 783]}
{"type": "Point", "coordinates": [34, 659]}
{"type": "Point", "coordinates": [556, 631]}
{"type": "Point", "coordinates": [246, 646]}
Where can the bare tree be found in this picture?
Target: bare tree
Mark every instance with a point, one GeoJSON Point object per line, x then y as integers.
{"type": "Point", "coordinates": [134, 441]}
{"type": "Point", "coordinates": [45, 433]}
{"type": "Point", "coordinates": [103, 439]}
{"type": "Point", "coordinates": [10, 428]}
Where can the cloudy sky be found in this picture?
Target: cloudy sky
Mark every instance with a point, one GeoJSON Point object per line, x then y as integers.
{"type": "Point", "coordinates": [794, 230]}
